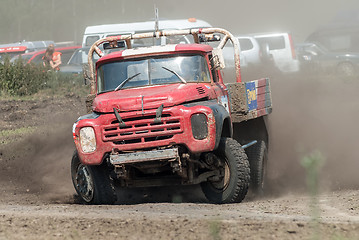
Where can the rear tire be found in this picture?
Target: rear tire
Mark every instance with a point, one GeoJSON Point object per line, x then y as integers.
{"type": "Point", "coordinates": [257, 156]}
{"type": "Point", "coordinates": [233, 186]}
{"type": "Point", "coordinates": [92, 183]}
{"type": "Point", "coordinates": [346, 69]}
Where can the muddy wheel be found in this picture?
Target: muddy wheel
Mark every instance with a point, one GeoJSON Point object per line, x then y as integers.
{"type": "Point", "coordinates": [257, 156]}
{"type": "Point", "coordinates": [346, 69]}
{"type": "Point", "coordinates": [92, 183]}
{"type": "Point", "coordinates": [233, 184]}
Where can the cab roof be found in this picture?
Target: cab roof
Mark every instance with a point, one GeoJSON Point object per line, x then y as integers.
{"type": "Point", "coordinates": [154, 50]}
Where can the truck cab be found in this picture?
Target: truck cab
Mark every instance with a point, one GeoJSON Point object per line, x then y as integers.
{"type": "Point", "coordinates": [161, 115]}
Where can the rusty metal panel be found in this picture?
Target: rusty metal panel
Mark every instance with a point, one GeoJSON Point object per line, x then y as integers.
{"type": "Point", "coordinates": [237, 99]}
{"type": "Point", "coordinates": [145, 156]}
{"type": "Point", "coordinates": [250, 99]}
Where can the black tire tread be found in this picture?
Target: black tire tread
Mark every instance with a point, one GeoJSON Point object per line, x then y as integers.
{"type": "Point", "coordinates": [104, 190]}
{"type": "Point", "coordinates": [243, 168]}
{"type": "Point", "coordinates": [256, 155]}
{"type": "Point", "coordinates": [231, 149]}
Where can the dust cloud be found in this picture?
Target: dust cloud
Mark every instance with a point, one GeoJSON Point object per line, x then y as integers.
{"type": "Point", "coordinates": [314, 113]}
{"type": "Point", "coordinates": [66, 20]}
{"type": "Point", "coordinates": [40, 164]}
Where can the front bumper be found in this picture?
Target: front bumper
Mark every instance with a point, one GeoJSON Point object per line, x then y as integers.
{"type": "Point", "coordinates": [141, 132]}
{"type": "Point", "coordinates": [170, 154]}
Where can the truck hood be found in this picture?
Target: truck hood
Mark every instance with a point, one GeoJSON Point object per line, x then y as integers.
{"type": "Point", "coordinates": [151, 97]}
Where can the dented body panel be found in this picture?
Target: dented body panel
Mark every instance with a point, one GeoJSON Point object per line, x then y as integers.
{"type": "Point", "coordinates": [141, 132]}
{"type": "Point", "coordinates": [152, 97]}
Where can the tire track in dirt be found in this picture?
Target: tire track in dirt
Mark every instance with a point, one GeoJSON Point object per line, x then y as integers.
{"type": "Point", "coordinates": [259, 210]}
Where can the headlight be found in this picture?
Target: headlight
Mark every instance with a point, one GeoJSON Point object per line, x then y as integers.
{"type": "Point", "coordinates": [87, 139]}
{"type": "Point", "coordinates": [199, 126]}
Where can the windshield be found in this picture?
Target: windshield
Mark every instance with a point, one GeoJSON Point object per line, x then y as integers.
{"type": "Point", "coordinates": [152, 71]}
{"type": "Point", "coordinates": [79, 57]}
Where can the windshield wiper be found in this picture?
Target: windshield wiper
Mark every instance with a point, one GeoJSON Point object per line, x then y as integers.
{"type": "Point", "coordinates": [175, 73]}
{"type": "Point", "coordinates": [125, 81]}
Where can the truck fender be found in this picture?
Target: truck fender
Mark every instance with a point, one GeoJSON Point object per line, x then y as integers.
{"type": "Point", "coordinates": [223, 123]}
{"type": "Point", "coordinates": [223, 120]}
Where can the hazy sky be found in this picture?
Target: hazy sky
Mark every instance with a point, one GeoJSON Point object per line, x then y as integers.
{"type": "Point", "coordinates": [64, 20]}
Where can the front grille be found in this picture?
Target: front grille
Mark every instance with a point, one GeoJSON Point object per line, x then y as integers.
{"type": "Point", "coordinates": [142, 129]}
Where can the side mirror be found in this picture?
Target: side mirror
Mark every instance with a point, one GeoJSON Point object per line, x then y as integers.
{"type": "Point", "coordinates": [114, 44]}
{"type": "Point", "coordinates": [218, 59]}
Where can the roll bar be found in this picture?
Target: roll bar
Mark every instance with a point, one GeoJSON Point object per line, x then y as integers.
{"type": "Point", "coordinates": [157, 34]}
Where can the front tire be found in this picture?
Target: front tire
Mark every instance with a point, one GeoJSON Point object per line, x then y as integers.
{"type": "Point", "coordinates": [234, 182]}
{"type": "Point", "coordinates": [92, 183]}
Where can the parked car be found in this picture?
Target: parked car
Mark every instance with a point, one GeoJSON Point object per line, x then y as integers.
{"type": "Point", "coordinates": [278, 49]}
{"type": "Point", "coordinates": [250, 55]}
{"type": "Point", "coordinates": [76, 62]}
{"type": "Point", "coordinates": [14, 49]}
{"type": "Point", "coordinates": [36, 57]}
{"type": "Point", "coordinates": [315, 58]}
{"type": "Point", "coordinates": [337, 37]}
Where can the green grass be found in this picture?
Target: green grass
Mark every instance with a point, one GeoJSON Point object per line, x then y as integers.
{"type": "Point", "coordinates": [63, 90]}
{"type": "Point", "coordinates": [214, 229]}
{"type": "Point", "coordinates": [339, 237]}
{"type": "Point", "coordinates": [313, 163]}
{"type": "Point", "coordinates": [6, 135]}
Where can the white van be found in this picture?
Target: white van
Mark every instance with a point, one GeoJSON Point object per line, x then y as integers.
{"type": "Point", "coordinates": [279, 49]}
{"type": "Point", "coordinates": [94, 33]}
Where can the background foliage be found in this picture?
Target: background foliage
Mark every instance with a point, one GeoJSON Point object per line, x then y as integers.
{"type": "Point", "coordinates": [18, 79]}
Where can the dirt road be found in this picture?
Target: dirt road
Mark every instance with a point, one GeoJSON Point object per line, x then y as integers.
{"type": "Point", "coordinates": [37, 197]}
{"type": "Point", "coordinates": [276, 218]}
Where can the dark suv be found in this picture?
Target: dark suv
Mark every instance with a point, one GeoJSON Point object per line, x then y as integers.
{"type": "Point", "coordinates": [315, 58]}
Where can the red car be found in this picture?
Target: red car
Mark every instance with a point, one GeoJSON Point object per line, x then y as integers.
{"type": "Point", "coordinates": [36, 57]}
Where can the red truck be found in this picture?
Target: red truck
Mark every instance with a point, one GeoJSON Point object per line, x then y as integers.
{"type": "Point", "coordinates": [162, 115]}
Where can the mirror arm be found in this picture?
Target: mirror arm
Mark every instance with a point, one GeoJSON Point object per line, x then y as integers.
{"type": "Point", "coordinates": [223, 42]}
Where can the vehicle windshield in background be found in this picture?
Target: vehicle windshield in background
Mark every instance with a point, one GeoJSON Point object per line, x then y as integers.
{"type": "Point", "coordinates": [273, 43]}
{"type": "Point", "coordinates": [24, 57]}
{"type": "Point", "coordinates": [79, 57]}
{"type": "Point", "coordinates": [152, 71]}
{"type": "Point", "coordinates": [245, 44]}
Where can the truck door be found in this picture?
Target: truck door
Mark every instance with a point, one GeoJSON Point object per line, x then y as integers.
{"type": "Point", "coordinates": [219, 88]}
